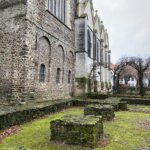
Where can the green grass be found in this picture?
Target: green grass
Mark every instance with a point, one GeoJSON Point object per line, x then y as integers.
{"type": "Point", "coordinates": [125, 133]}
{"type": "Point", "coordinates": [139, 108]}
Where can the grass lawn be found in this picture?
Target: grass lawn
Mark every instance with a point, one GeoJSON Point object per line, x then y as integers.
{"type": "Point", "coordinates": [129, 131]}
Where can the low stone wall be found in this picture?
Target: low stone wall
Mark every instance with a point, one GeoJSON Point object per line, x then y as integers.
{"type": "Point", "coordinates": [97, 96]}
{"type": "Point", "coordinates": [84, 102]}
{"type": "Point", "coordinates": [91, 102]}
{"type": "Point", "coordinates": [18, 117]}
{"type": "Point", "coordinates": [106, 111]}
{"type": "Point", "coordinates": [77, 130]}
{"type": "Point", "coordinates": [136, 101]}
{"type": "Point", "coordinates": [115, 105]}
{"type": "Point", "coordinates": [123, 106]}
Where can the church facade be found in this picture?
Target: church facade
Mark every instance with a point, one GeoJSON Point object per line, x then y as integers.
{"type": "Point", "coordinates": [46, 45]}
{"type": "Point", "coordinates": [92, 48]}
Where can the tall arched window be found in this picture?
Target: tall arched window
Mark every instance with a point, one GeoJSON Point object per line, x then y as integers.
{"type": "Point", "coordinates": [101, 52]}
{"type": "Point", "coordinates": [106, 58]}
{"type": "Point", "coordinates": [89, 43]}
{"type": "Point", "coordinates": [57, 7]}
{"type": "Point", "coordinates": [109, 60]}
{"type": "Point", "coordinates": [69, 77]}
{"type": "Point", "coordinates": [58, 75]}
{"type": "Point", "coordinates": [50, 5]}
{"type": "Point", "coordinates": [42, 73]}
{"type": "Point", "coordinates": [62, 18]}
{"type": "Point", "coordinates": [97, 51]}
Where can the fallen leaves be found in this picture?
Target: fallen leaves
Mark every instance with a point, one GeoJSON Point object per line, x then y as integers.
{"type": "Point", "coordinates": [8, 132]}
{"type": "Point", "coordinates": [103, 142]}
{"type": "Point", "coordinates": [145, 124]}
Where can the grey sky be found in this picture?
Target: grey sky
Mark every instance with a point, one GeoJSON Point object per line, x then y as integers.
{"type": "Point", "coordinates": [128, 24]}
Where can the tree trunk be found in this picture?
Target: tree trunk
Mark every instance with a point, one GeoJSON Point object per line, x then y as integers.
{"type": "Point", "coordinates": [117, 86]}
{"type": "Point", "coordinates": [141, 86]}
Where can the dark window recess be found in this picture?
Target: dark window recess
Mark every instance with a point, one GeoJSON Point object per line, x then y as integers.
{"type": "Point", "coordinates": [42, 73]}
{"type": "Point", "coordinates": [89, 43]}
{"type": "Point", "coordinates": [57, 8]}
{"type": "Point", "coordinates": [69, 77]}
{"type": "Point", "coordinates": [98, 52]}
{"type": "Point", "coordinates": [50, 5]}
{"type": "Point", "coordinates": [58, 75]}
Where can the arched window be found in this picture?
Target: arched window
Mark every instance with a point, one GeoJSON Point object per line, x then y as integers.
{"type": "Point", "coordinates": [97, 51]}
{"type": "Point", "coordinates": [42, 73]}
{"type": "Point", "coordinates": [101, 52]}
{"type": "Point", "coordinates": [58, 75]}
{"type": "Point", "coordinates": [89, 43]}
{"type": "Point", "coordinates": [69, 77]}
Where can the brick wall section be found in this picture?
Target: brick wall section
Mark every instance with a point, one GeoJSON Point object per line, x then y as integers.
{"type": "Point", "coordinates": [25, 27]}
{"type": "Point", "coordinates": [12, 41]}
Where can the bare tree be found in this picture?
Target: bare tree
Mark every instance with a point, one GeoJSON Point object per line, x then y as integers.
{"type": "Point", "coordinates": [117, 71]}
{"type": "Point", "coordinates": [141, 65]}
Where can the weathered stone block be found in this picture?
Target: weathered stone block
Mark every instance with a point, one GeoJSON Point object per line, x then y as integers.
{"type": "Point", "coordinates": [115, 106]}
{"type": "Point", "coordinates": [106, 111]}
{"type": "Point", "coordinates": [123, 106]}
{"type": "Point", "coordinates": [77, 130]}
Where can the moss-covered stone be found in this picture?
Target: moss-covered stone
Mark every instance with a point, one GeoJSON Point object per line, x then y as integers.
{"type": "Point", "coordinates": [123, 106]}
{"type": "Point", "coordinates": [77, 130]}
{"type": "Point", "coordinates": [106, 111]}
{"type": "Point", "coordinates": [97, 96]}
{"type": "Point", "coordinates": [23, 114]}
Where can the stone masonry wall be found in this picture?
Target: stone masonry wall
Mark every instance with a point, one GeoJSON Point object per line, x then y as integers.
{"type": "Point", "coordinates": [43, 25]}
{"type": "Point", "coordinates": [12, 45]}
{"type": "Point", "coordinates": [30, 36]}
{"type": "Point", "coordinates": [57, 52]}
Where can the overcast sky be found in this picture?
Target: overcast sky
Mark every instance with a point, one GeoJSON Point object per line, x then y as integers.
{"type": "Point", "coordinates": [128, 24]}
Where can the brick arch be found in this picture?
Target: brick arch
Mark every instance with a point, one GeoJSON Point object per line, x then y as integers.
{"type": "Point", "coordinates": [61, 50]}
{"type": "Point", "coordinates": [70, 60]}
{"type": "Point", "coordinates": [58, 60]}
{"type": "Point", "coordinates": [44, 47]}
{"type": "Point", "coordinates": [44, 55]}
{"type": "Point", "coordinates": [70, 71]}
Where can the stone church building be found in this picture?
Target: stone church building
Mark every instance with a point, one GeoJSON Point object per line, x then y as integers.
{"type": "Point", "coordinates": [46, 45]}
